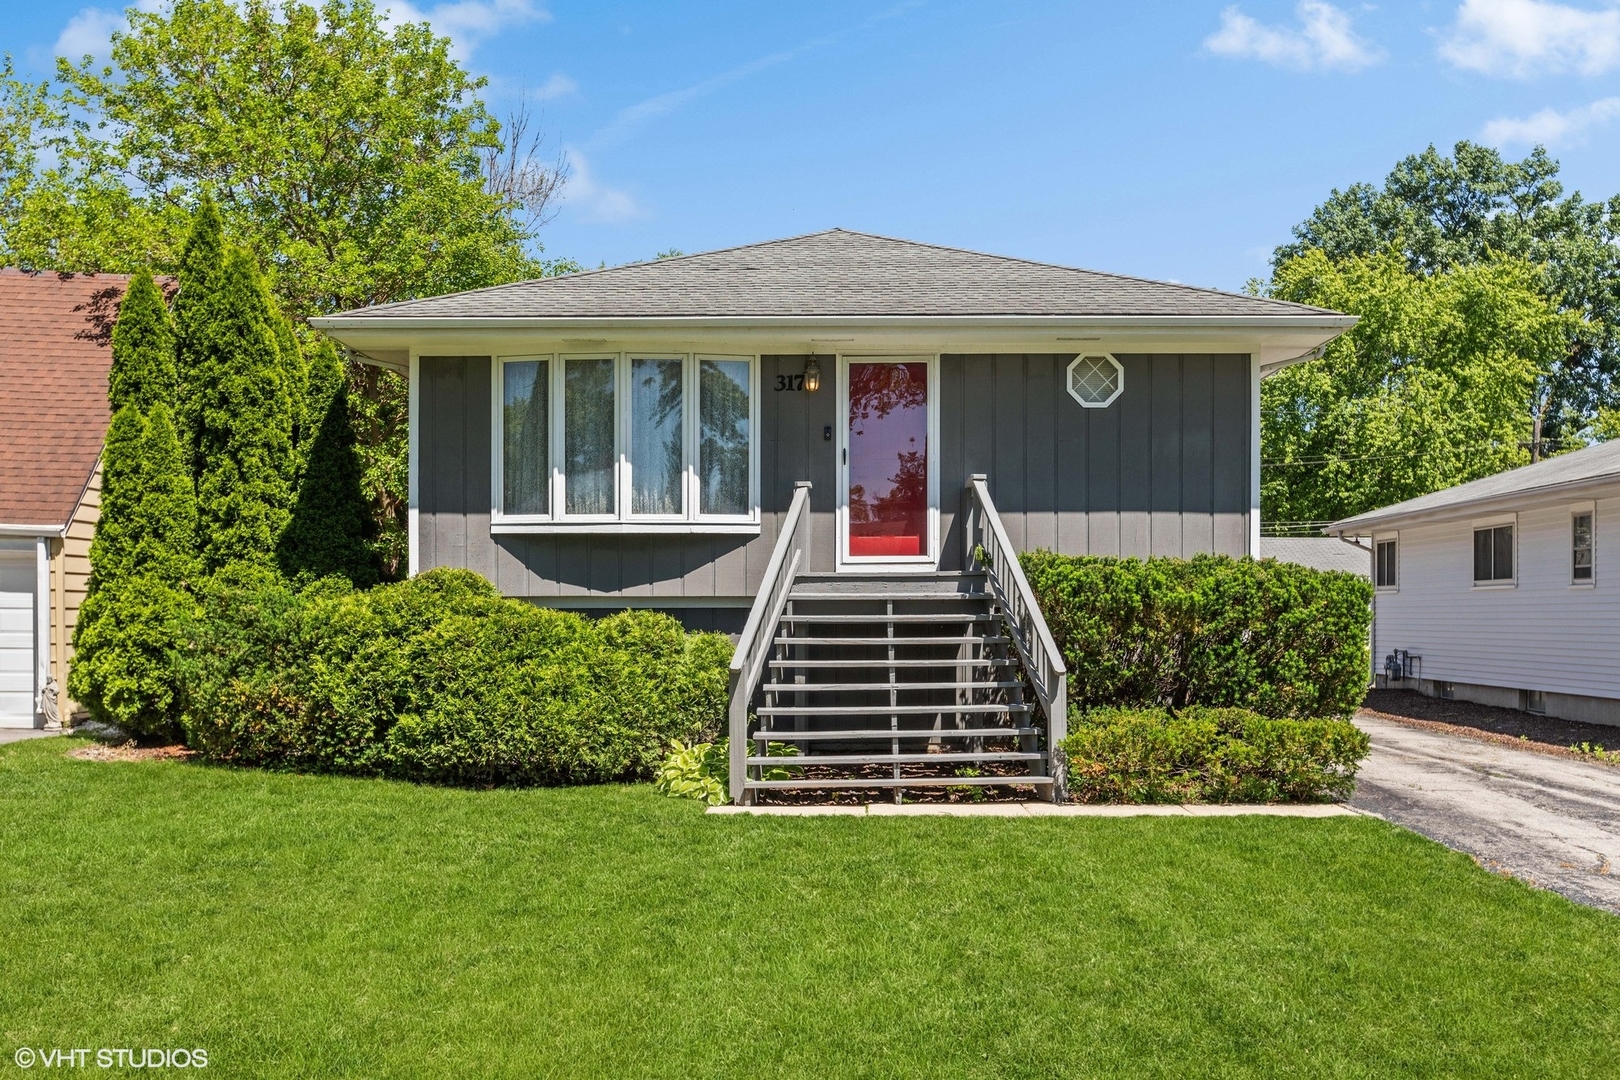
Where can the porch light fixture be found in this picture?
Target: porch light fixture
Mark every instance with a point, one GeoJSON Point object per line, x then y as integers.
{"type": "Point", "coordinates": [812, 376]}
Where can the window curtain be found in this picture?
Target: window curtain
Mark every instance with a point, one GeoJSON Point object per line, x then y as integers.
{"type": "Point", "coordinates": [526, 457]}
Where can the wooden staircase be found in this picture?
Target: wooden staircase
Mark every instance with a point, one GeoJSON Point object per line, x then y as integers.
{"type": "Point", "coordinates": [895, 681]}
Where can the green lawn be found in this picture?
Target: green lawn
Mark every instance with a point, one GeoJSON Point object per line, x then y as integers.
{"type": "Point", "coordinates": [307, 926]}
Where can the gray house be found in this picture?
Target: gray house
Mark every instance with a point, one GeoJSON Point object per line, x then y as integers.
{"type": "Point", "coordinates": [806, 441]}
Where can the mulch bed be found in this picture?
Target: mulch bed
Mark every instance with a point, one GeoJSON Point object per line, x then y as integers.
{"type": "Point", "coordinates": [1504, 727]}
{"type": "Point", "coordinates": [129, 752]}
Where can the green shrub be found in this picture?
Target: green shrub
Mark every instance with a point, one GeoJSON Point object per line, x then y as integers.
{"type": "Point", "coordinates": [128, 646]}
{"type": "Point", "coordinates": [703, 770]}
{"type": "Point", "coordinates": [441, 679]}
{"type": "Point", "coordinates": [1210, 755]}
{"type": "Point", "coordinates": [1281, 639]}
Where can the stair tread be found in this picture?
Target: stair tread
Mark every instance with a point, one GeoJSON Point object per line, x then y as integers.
{"type": "Point", "coordinates": [986, 639]}
{"type": "Point", "coordinates": [908, 617]}
{"type": "Point", "coordinates": [888, 733]}
{"type": "Point", "coordinates": [902, 759]}
{"type": "Point", "coordinates": [810, 688]}
{"type": "Point", "coordinates": [893, 782]}
{"type": "Point", "coordinates": [907, 662]}
{"type": "Point", "coordinates": [884, 710]}
{"type": "Point", "coordinates": [975, 596]}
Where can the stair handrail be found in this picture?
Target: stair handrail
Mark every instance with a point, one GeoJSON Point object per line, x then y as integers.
{"type": "Point", "coordinates": [983, 531]}
{"type": "Point", "coordinates": [789, 557]}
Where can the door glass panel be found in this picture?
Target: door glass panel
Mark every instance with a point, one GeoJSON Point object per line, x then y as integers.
{"type": "Point", "coordinates": [526, 460]}
{"type": "Point", "coordinates": [723, 437]}
{"type": "Point", "coordinates": [588, 437]}
{"type": "Point", "coordinates": [655, 436]}
{"type": "Point", "coordinates": [888, 459]}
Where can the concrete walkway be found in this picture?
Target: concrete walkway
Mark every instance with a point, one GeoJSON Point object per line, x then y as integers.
{"type": "Point", "coordinates": [1035, 809]}
{"type": "Point", "coordinates": [1552, 821]}
{"type": "Point", "coordinates": [19, 734]}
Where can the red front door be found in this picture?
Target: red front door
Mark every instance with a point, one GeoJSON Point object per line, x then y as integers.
{"type": "Point", "coordinates": [888, 459]}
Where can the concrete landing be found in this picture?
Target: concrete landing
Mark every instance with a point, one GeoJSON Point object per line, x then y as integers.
{"type": "Point", "coordinates": [1040, 809]}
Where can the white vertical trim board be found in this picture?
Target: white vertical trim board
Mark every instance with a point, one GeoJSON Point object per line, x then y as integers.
{"type": "Point", "coordinates": [413, 464]}
{"type": "Point", "coordinates": [42, 624]}
{"type": "Point", "coordinates": [1254, 455]}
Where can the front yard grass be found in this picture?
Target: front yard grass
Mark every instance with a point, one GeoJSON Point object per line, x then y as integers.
{"type": "Point", "coordinates": [312, 926]}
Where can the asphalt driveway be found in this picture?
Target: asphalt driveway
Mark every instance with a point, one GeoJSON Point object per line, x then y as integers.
{"type": "Point", "coordinates": [1552, 821]}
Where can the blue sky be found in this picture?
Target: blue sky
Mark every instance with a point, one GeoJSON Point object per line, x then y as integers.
{"type": "Point", "coordinates": [1175, 140]}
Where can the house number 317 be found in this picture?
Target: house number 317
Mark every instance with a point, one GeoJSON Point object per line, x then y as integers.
{"type": "Point", "coordinates": [790, 382]}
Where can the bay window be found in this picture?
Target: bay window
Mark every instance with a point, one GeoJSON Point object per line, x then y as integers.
{"type": "Point", "coordinates": [626, 441]}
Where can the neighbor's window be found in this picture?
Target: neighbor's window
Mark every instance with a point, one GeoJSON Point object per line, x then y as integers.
{"type": "Point", "coordinates": [627, 436]}
{"type": "Point", "coordinates": [1384, 557]}
{"type": "Point", "coordinates": [1493, 554]}
{"type": "Point", "coordinates": [1581, 546]}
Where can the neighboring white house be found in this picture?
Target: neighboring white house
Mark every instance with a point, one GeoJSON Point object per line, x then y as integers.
{"type": "Point", "coordinates": [1505, 591]}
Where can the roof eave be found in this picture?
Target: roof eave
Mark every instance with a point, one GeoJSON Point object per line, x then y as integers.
{"type": "Point", "coordinates": [1324, 321]}
{"type": "Point", "coordinates": [1362, 523]}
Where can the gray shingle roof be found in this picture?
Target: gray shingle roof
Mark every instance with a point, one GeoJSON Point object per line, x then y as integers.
{"type": "Point", "coordinates": [1317, 552]}
{"type": "Point", "coordinates": [1594, 463]}
{"type": "Point", "coordinates": [834, 273]}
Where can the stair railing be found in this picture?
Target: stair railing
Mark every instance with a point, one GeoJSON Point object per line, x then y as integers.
{"type": "Point", "coordinates": [789, 558]}
{"type": "Point", "coordinates": [983, 533]}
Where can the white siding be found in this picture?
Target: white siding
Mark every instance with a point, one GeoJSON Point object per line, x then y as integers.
{"type": "Point", "coordinates": [1542, 634]}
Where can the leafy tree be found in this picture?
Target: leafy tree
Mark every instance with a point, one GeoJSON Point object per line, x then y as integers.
{"type": "Point", "coordinates": [143, 348]}
{"type": "Point", "coordinates": [165, 527]}
{"type": "Point", "coordinates": [1429, 389]}
{"type": "Point", "coordinates": [327, 532]}
{"type": "Point", "coordinates": [244, 421]}
{"type": "Point", "coordinates": [112, 551]}
{"type": "Point", "coordinates": [201, 260]}
{"type": "Point", "coordinates": [1443, 213]}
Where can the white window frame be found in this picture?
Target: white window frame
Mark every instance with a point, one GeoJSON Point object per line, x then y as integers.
{"type": "Point", "coordinates": [1494, 522]}
{"type": "Point", "coordinates": [1387, 538]}
{"type": "Point", "coordinates": [845, 562]}
{"type": "Point", "coordinates": [1576, 510]}
{"type": "Point", "coordinates": [1119, 386]}
{"type": "Point", "coordinates": [622, 520]}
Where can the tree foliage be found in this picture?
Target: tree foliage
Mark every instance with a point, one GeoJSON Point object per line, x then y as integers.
{"type": "Point", "coordinates": [143, 348]}
{"type": "Point", "coordinates": [1446, 213]}
{"type": "Point", "coordinates": [1430, 389]}
{"type": "Point", "coordinates": [244, 445]}
{"type": "Point", "coordinates": [326, 534]}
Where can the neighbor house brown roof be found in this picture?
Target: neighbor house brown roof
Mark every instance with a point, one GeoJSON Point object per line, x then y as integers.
{"type": "Point", "coordinates": [55, 349]}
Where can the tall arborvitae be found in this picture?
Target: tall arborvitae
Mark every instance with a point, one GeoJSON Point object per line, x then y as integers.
{"type": "Point", "coordinates": [201, 262]}
{"type": "Point", "coordinates": [327, 531]}
{"type": "Point", "coordinates": [243, 422]}
{"type": "Point", "coordinates": [112, 551]}
{"type": "Point", "coordinates": [143, 371]}
{"type": "Point", "coordinates": [294, 371]}
{"type": "Point", "coordinates": [166, 519]}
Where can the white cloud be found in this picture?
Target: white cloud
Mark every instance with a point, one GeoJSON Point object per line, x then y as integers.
{"type": "Point", "coordinates": [559, 85]}
{"type": "Point", "coordinates": [467, 23]}
{"type": "Point", "coordinates": [1323, 41]}
{"type": "Point", "coordinates": [1549, 127]}
{"type": "Point", "coordinates": [595, 201]}
{"type": "Point", "coordinates": [1532, 37]}
{"type": "Point", "coordinates": [89, 33]}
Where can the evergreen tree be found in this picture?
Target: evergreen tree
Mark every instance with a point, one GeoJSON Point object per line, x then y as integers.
{"type": "Point", "coordinates": [143, 344]}
{"type": "Point", "coordinates": [294, 370]}
{"type": "Point", "coordinates": [165, 523]}
{"type": "Point", "coordinates": [112, 551]}
{"type": "Point", "coordinates": [201, 262]}
{"type": "Point", "coordinates": [243, 421]}
{"type": "Point", "coordinates": [327, 531]}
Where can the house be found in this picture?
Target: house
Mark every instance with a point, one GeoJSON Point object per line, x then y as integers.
{"type": "Point", "coordinates": [1506, 590]}
{"type": "Point", "coordinates": [55, 349]}
{"type": "Point", "coordinates": [1349, 555]}
{"type": "Point", "coordinates": [809, 442]}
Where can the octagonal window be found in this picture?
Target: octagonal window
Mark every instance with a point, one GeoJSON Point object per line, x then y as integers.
{"type": "Point", "coordinates": [1096, 380]}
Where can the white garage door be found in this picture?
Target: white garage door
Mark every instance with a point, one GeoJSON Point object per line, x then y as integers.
{"type": "Point", "coordinates": [17, 579]}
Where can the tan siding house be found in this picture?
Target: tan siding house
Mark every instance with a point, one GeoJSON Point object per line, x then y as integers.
{"type": "Point", "coordinates": [55, 336]}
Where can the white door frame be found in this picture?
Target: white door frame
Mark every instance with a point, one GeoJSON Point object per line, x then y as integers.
{"type": "Point", "coordinates": [887, 563]}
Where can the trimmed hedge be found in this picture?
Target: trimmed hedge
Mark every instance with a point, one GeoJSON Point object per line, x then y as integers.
{"type": "Point", "coordinates": [1210, 755]}
{"type": "Point", "coordinates": [1280, 639]}
{"type": "Point", "coordinates": [441, 679]}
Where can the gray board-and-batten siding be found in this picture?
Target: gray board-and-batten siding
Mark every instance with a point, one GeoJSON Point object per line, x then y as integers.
{"type": "Point", "coordinates": [1164, 470]}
